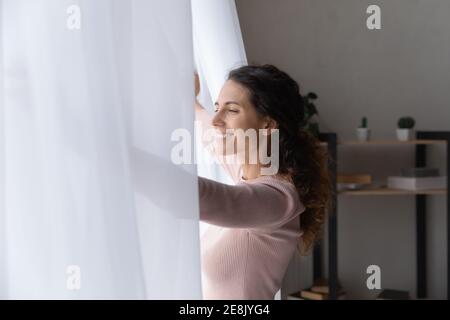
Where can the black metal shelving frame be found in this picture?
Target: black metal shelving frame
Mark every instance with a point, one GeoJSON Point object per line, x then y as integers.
{"type": "Point", "coordinates": [421, 213]}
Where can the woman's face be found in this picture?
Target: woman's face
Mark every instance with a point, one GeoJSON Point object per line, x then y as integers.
{"type": "Point", "coordinates": [234, 110]}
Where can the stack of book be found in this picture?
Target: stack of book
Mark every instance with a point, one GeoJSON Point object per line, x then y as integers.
{"type": "Point", "coordinates": [319, 291]}
{"type": "Point", "coordinates": [353, 181]}
{"type": "Point", "coordinates": [418, 179]}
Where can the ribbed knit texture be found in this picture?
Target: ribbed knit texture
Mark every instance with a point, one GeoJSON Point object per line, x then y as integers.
{"type": "Point", "coordinates": [253, 235]}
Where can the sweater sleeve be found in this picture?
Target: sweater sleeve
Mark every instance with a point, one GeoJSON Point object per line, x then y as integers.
{"type": "Point", "coordinates": [256, 205]}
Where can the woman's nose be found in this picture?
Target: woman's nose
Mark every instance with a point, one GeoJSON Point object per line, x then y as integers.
{"type": "Point", "coordinates": [217, 120]}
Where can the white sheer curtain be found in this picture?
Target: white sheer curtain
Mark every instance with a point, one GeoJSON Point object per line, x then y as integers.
{"type": "Point", "coordinates": [218, 48]}
{"type": "Point", "coordinates": [90, 207]}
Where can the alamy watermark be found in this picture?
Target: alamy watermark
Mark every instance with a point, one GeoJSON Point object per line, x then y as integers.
{"type": "Point", "coordinates": [374, 280]}
{"type": "Point", "coordinates": [234, 146]}
{"type": "Point", "coordinates": [373, 22]}
{"type": "Point", "coordinates": [74, 17]}
{"type": "Point", "coordinates": [73, 281]}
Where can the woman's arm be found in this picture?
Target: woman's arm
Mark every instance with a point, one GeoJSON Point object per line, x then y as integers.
{"type": "Point", "coordinates": [198, 107]}
{"type": "Point", "coordinates": [247, 205]}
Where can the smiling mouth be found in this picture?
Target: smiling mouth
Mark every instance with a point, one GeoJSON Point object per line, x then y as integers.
{"type": "Point", "coordinates": [224, 135]}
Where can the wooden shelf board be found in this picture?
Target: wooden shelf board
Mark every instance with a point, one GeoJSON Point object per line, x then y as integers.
{"type": "Point", "coordinates": [388, 191]}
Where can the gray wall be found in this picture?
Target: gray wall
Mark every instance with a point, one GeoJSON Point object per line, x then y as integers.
{"type": "Point", "coordinates": [402, 69]}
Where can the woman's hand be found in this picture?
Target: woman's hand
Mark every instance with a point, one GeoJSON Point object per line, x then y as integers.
{"type": "Point", "coordinates": [197, 84]}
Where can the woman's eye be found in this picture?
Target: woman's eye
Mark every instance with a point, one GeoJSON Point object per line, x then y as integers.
{"type": "Point", "coordinates": [229, 110]}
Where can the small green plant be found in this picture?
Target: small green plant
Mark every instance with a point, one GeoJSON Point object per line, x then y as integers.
{"type": "Point", "coordinates": [406, 123]}
{"type": "Point", "coordinates": [310, 125]}
{"type": "Point", "coordinates": [363, 123]}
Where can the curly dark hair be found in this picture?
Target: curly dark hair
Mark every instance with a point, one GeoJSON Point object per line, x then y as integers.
{"type": "Point", "coordinates": [275, 94]}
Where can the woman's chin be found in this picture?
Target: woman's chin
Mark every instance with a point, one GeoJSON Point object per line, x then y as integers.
{"type": "Point", "coordinates": [225, 147]}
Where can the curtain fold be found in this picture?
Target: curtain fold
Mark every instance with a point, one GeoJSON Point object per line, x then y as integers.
{"type": "Point", "coordinates": [81, 108]}
{"type": "Point", "coordinates": [219, 47]}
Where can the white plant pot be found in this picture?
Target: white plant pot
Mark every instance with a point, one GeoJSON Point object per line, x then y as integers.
{"type": "Point", "coordinates": [363, 134]}
{"type": "Point", "coordinates": [404, 134]}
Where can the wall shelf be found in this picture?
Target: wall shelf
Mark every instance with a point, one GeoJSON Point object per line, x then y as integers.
{"type": "Point", "coordinates": [390, 142]}
{"type": "Point", "coordinates": [423, 140]}
{"type": "Point", "coordinates": [390, 192]}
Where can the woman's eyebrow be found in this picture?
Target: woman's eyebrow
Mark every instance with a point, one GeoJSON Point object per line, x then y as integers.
{"type": "Point", "coordinates": [227, 103]}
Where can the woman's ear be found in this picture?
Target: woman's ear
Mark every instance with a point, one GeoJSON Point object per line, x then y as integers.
{"type": "Point", "coordinates": [270, 124]}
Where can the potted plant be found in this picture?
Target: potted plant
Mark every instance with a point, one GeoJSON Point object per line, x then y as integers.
{"type": "Point", "coordinates": [310, 123]}
{"type": "Point", "coordinates": [404, 130]}
{"type": "Point", "coordinates": [363, 132]}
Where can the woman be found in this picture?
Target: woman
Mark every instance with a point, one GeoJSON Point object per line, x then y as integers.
{"type": "Point", "coordinates": [258, 222]}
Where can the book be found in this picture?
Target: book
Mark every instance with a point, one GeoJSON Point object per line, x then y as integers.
{"type": "Point", "coordinates": [318, 291]}
{"type": "Point", "coordinates": [311, 295]}
{"type": "Point", "coordinates": [389, 294]}
{"type": "Point", "coordinates": [354, 178]}
{"type": "Point", "coordinates": [321, 286]}
{"type": "Point", "coordinates": [295, 296]}
{"type": "Point", "coordinates": [353, 181]}
{"type": "Point", "coordinates": [417, 183]}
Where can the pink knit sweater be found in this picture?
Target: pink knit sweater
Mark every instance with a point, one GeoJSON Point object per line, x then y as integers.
{"type": "Point", "coordinates": [253, 235]}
